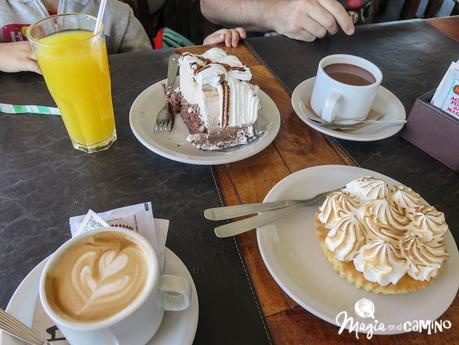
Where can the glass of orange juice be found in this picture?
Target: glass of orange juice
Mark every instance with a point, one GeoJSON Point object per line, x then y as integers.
{"type": "Point", "coordinates": [73, 59]}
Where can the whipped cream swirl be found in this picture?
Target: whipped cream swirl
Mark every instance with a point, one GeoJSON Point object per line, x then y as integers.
{"type": "Point", "coordinates": [346, 238]}
{"type": "Point", "coordinates": [381, 262]}
{"type": "Point", "coordinates": [386, 232]}
{"type": "Point", "coordinates": [337, 205]}
{"type": "Point", "coordinates": [367, 188]}
{"type": "Point", "coordinates": [428, 221]}
{"type": "Point", "coordinates": [382, 220]}
{"type": "Point", "coordinates": [424, 258]}
{"type": "Point", "coordinates": [404, 198]}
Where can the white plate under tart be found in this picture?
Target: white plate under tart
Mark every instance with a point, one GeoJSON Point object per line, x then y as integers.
{"type": "Point", "coordinates": [291, 251]}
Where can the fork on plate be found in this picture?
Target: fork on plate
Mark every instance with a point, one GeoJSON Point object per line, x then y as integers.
{"type": "Point", "coordinates": [267, 212]}
{"type": "Point", "coordinates": [166, 117]}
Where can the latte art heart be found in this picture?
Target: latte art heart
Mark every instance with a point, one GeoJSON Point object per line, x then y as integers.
{"type": "Point", "coordinates": [98, 277]}
{"type": "Point", "coordinates": [110, 264]}
{"type": "Point", "coordinates": [111, 283]}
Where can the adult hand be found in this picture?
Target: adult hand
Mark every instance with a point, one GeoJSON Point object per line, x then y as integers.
{"type": "Point", "coordinates": [307, 20]}
{"type": "Point", "coordinates": [17, 57]}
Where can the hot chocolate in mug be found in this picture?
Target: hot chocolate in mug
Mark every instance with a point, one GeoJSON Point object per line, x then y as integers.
{"type": "Point", "coordinates": [345, 88]}
{"type": "Point", "coordinates": [105, 287]}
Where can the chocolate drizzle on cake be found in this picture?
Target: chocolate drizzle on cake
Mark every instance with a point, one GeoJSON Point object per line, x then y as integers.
{"type": "Point", "coordinates": [225, 102]}
{"type": "Point", "coordinates": [199, 68]}
{"type": "Point", "coordinates": [230, 68]}
{"type": "Point", "coordinates": [205, 60]}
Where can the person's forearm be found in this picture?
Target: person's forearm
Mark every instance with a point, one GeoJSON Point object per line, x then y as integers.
{"type": "Point", "coordinates": [254, 15]}
{"type": "Point", "coordinates": [304, 20]}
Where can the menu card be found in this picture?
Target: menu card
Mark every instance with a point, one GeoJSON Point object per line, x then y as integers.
{"type": "Point", "coordinates": [446, 96]}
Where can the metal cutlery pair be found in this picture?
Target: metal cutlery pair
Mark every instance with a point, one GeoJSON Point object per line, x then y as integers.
{"type": "Point", "coordinates": [270, 211]}
{"type": "Point", "coordinates": [17, 329]}
{"type": "Point", "coordinates": [166, 117]}
{"type": "Point", "coordinates": [350, 127]}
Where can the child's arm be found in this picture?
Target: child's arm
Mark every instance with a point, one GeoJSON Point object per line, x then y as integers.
{"type": "Point", "coordinates": [17, 57]}
{"type": "Point", "coordinates": [231, 37]}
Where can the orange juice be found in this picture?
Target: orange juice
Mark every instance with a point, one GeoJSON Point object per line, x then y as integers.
{"type": "Point", "coordinates": [75, 67]}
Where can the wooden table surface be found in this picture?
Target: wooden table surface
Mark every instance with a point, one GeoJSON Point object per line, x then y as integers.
{"type": "Point", "coordinates": [296, 147]}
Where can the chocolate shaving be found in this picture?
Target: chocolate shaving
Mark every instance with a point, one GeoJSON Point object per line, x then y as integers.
{"type": "Point", "coordinates": [205, 60]}
{"type": "Point", "coordinates": [199, 69]}
{"type": "Point", "coordinates": [241, 69]}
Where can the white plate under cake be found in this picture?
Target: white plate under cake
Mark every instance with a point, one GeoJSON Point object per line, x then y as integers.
{"type": "Point", "coordinates": [174, 145]}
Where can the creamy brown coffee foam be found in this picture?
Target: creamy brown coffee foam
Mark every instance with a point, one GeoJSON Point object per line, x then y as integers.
{"type": "Point", "coordinates": [97, 277]}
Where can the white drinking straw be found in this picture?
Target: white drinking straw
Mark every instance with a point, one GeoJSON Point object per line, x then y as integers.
{"type": "Point", "coordinates": [100, 15]}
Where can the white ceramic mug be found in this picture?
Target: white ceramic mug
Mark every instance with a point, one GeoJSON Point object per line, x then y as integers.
{"type": "Point", "coordinates": [335, 101]}
{"type": "Point", "coordinates": [139, 321]}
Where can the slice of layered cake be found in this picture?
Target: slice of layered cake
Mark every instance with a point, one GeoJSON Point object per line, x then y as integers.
{"type": "Point", "coordinates": [215, 100]}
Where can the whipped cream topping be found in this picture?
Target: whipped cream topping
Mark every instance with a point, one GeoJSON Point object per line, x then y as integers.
{"type": "Point", "coordinates": [424, 258]}
{"type": "Point", "coordinates": [405, 198]}
{"type": "Point", "coordinates": [429, 221]}
{"type": "Point", "coordinates": [336, 206]}
{"type": "Point", "coordinates": [381, 262]}
{"type": "Point", "coordinates": [382, 220]}
{"type": "Point", "coordinates": [386, 232]}
{"type": "Point", "coordinates": [367, 188]}
{"type": "Point", "coordinates": [346, 238]}
{"type": "Point", "coordinates": [237, 70]}
{"type": "Point", "coordinates": [218, 83]}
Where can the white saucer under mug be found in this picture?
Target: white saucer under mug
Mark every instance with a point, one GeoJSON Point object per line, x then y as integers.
{"type": "Point", "coordinates": [178, 327]}
{"type": "Point", "coordinates": [385, 103]}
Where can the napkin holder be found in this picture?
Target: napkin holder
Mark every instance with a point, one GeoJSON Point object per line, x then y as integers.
{"type": "Point", "coordinates": [433, 131]}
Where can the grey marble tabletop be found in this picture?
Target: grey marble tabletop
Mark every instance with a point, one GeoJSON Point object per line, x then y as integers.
{"type": "Point", "coordinates": [44, 181]}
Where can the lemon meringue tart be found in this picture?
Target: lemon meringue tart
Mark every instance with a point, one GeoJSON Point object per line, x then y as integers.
{"type": "Point", "coordinates": [383, 239]}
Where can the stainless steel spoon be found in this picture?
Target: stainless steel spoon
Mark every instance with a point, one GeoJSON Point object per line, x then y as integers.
{"type": "Point", "coordinates": [352, 126]}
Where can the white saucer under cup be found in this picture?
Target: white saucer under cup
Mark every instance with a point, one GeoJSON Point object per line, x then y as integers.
{"type": "Point", "coordinates": [176, 327]}
{"type": "Point", "coordinates": [385, 103]}
{"type": "Point", "coordinates": [291, 251]}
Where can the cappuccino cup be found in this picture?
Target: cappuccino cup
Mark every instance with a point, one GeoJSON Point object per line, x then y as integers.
{"type": "Point", "coordinates": [105, 287]}
{"type": "Point", "coordinates": [345, 88]}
